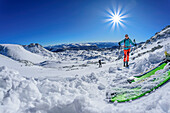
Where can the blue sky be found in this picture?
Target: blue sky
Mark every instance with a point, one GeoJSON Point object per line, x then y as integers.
{"type": "Point", "coordinates": [76, 21]}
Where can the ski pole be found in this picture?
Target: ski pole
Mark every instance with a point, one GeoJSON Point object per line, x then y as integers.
{"type": "Point", "coordinates": [134, 41]}
{"type": "Point", "coordinates": [119, 49]}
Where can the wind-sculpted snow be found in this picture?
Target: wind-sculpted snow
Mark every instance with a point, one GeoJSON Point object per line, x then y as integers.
{"type": "Point", "coordinates": [148, 61]}
{"type": "Point", "coordinates": [78, 94]}
{"type": "Point", "coordinates": [20, 94]}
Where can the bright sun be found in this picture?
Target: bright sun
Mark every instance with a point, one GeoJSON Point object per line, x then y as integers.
{"type": "Point", "coordinates": [116, 18]}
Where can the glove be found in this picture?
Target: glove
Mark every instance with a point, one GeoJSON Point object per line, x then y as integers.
{"type": "Point", "coordinates": [119, 43]}
{"type": "Point", "coordinates": [135, 44]}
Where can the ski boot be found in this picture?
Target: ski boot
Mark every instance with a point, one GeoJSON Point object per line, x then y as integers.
{"type": "Point", "coordinates": [127, 64]}
{"type": "Point", "coordinates": [124, 65]}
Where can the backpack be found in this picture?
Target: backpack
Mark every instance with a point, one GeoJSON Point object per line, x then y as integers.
{"type": "Point", "coordinates": [124, 43]}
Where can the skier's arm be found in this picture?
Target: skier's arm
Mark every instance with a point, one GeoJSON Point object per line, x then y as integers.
{"type": "Point", "coordinates": [132, 43]}
{"type": "Point", "coordinates": [121, 41]}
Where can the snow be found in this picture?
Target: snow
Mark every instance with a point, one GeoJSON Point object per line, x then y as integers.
{"type": "Point", "coordinates": [38, 49]}
{"type": "Point", "coordinates": [35, 80]}
{"type": "Point", "coordinates": [17, 52]}
{"type": "Point", "coordinates": [20, 94]}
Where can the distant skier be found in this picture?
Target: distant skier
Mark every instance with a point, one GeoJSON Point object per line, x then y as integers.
{"type": "Point", "coordinates": [127, 46]}
{"type": "Point", "coordinates": [100, 63]}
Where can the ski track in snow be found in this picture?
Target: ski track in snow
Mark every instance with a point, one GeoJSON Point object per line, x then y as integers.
{"type": "Point", "coordinates": [71, 82]}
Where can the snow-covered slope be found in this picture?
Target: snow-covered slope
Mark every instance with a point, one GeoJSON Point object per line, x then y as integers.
{"type": "Point", "coordinates": [71, 82]}
{"type": "Point", "coordinates": [17, 52]}
{"type": "Point", "coordinates": [152, 51]}
{"type": "Point", "coordinates": [158, 41]}
{"type": "Point", "coordinates": [163, 34]}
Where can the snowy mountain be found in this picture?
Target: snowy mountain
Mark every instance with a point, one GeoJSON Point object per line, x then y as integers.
{"type": "Point", "coordinates": [17, 52]}
{"type": "Point", "coordinates": [83, 46]}
{"type": "Point", "coordinates": [155, 43]}
{"type": "Point", "coordinates": [159, 36]}
{"type": "Point", "coordinates": [71, 82]}
{"type": "Point", "coordinates": [38, 49]}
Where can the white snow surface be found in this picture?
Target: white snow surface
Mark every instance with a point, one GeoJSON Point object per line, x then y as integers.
{"type": "Point", "coordinates": [38, 81]}
{"type": "Point", "coordinates": [17, 52]}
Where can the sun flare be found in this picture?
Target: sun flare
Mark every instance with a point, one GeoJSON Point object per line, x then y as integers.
{"type": "Point", "coordinates": [116, 18]}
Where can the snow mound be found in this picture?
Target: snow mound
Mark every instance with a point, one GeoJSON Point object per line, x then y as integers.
{"type": "Point", "coordinates": [17, 52]}
{"type": "Point", "coordinates": [16, 91]}
{"type": "Point", "coordinates": [71, 95]}
{"type": "Point", "coordinates": [19, 95]}
{"type": "Point", "coordinates": [150, 60]}
{"type": "Point", "coordinates": [112, 70]}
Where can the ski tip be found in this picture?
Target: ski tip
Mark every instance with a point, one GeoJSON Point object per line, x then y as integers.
{"type": "Point", "coordinates": [131, 79]}
{"type": "Point", "coordinates": [108, 100]}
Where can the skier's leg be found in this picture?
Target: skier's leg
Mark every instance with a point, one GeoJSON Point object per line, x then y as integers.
{"type": "Point", "coordinates": [125, 55]}
{"type": "Point", "coordinates": [128, 51]}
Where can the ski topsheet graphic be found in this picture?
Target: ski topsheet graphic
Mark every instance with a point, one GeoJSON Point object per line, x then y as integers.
{"type": "Point", "coordinates": [148, 74]}
{"type": "Point", "coordinates": [141, 85]}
